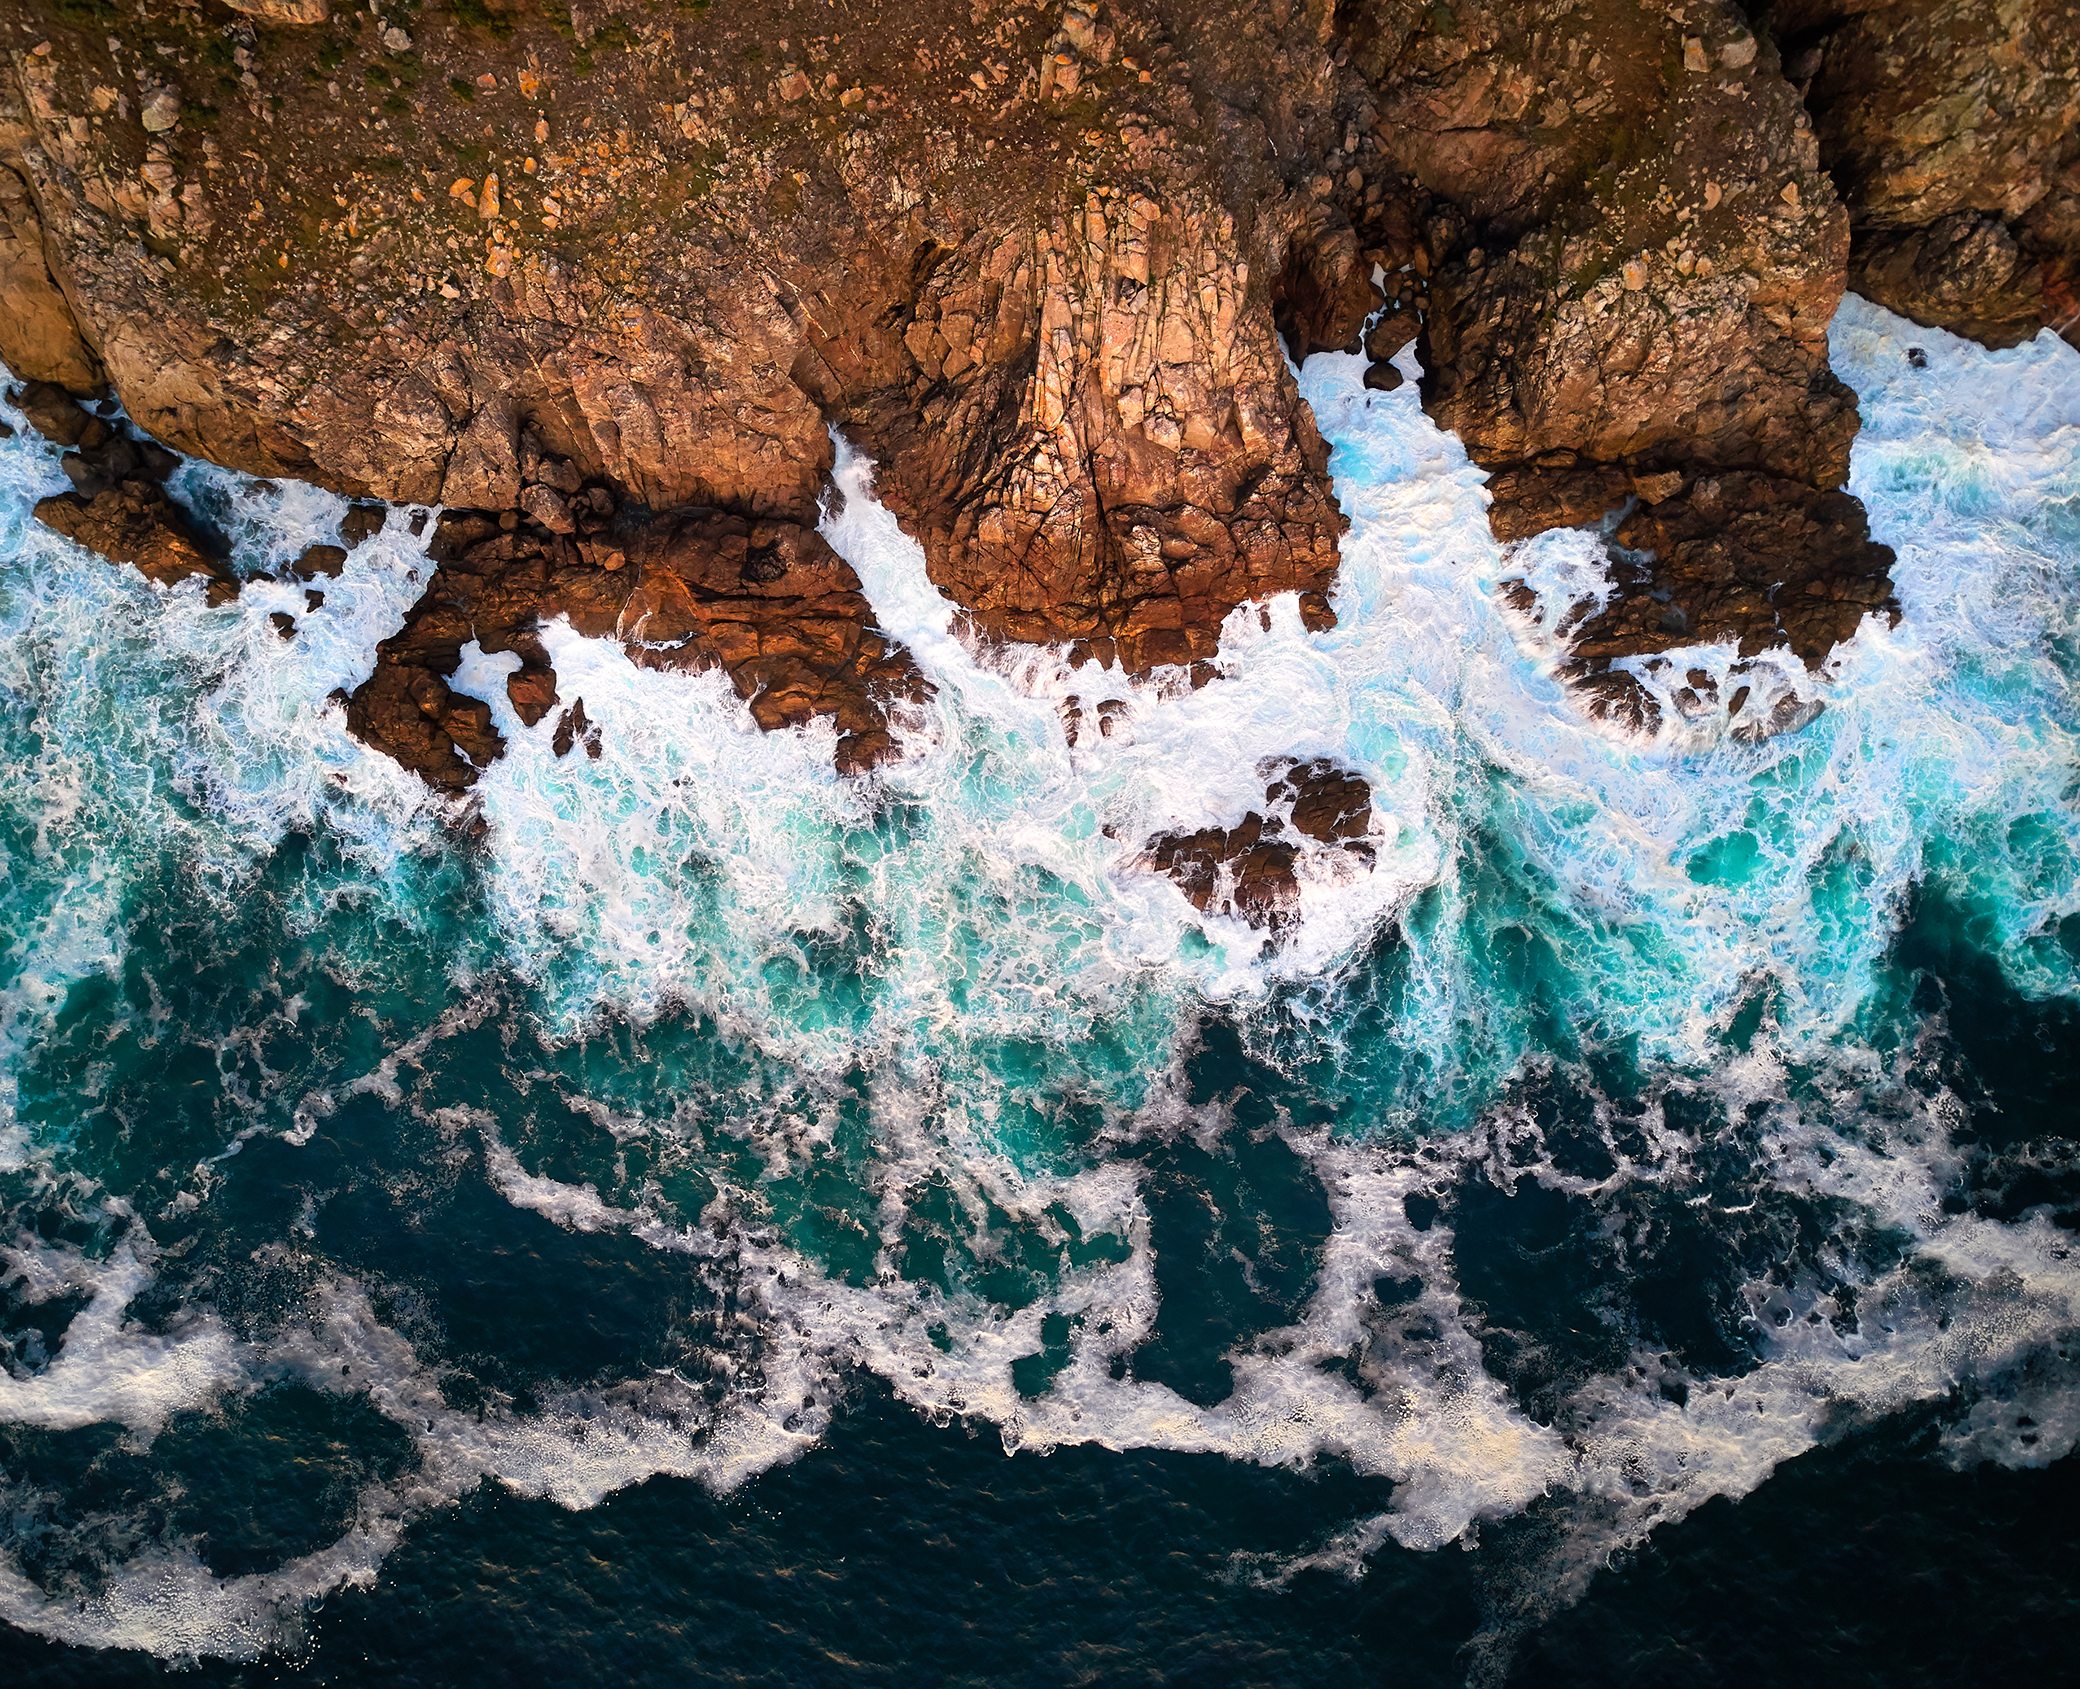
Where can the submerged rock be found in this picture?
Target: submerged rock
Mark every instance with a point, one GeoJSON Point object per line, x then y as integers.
{"type": "Point", "coordinates": [1250, 870]}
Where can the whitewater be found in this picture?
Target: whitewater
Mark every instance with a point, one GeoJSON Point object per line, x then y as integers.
{"type": "Point", "coordinates": [889, 1074]}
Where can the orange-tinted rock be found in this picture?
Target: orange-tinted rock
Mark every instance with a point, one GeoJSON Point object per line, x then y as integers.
{"type": "Point", "coordinates": [533, 693]}
{"type": "Point", "coordinates": [137, 523]}
{"type": "Point", "coordinates": [39, 337]}
{"type": "Point", "coordinates": [1058, 318]}
{"type": "Point", "coordinates": [1250, 870]}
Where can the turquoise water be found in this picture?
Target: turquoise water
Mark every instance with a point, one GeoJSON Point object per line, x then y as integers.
{"type": "Point", "coordinates": [1653, 1113]}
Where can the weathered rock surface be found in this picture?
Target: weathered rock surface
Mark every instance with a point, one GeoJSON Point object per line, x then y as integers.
{"type": "Point", "coordinates": [1952, 128]}
{"type": "Point", "coordinates": [39, 336]}
{"type": "Point", "coordinates": [1966, 273]}
{"type": "Point", "coordinates": [135, 522]}
{"type": "Point", "coordinates": [1093, 434]}
{"type": "Point", "coordinates": [1632, 257]}
{"type": "Point", "coordinates": [1739, 558]}
{"type": "Point", "coordinates": [1615, 225]}
{"type": "Point", "coordinates": [1065, 357]}
{"type": "Point", "coordinates": [1250, 870]}
{"type": "Point", "coordinates": [1748, 560]}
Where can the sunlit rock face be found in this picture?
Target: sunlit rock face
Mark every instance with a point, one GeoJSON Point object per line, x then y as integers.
{"type": "Point", "coordinates": [1367, 1072]}
{"type": "Point", "coordinates": [1953, 132]}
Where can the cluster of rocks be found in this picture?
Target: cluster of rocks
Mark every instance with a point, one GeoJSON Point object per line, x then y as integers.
{"type": "Point", "coordinates": [694, 589]}
{"type": "Point", "coordinates": [1047, 267]}
{"type": "Point", "coordinates": [1250, 871]}
{"type": "Point", "coordinates": [1399, 323]}
{"type": "Point", "coordinates": [119, 505]}
{"type": "Point", "coordinates": [1739, 558]}
{"type": "Point", "coordinates": [1078, 723]}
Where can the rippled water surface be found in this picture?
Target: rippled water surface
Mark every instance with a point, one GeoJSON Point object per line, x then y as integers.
{"type": "Point", "coordinates": [693, 1216]}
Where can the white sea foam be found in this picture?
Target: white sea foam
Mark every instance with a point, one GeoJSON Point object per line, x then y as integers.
{"type": "Point", "coordinates": [1789, 860]}
{"type": "Point", "coordinates": [110, 1370]}
{"type": "Point", "coordinates": [151, 727]}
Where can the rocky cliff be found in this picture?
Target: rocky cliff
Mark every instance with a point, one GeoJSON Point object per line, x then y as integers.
{"type": "Point", "coordinates": [1952, 129]}
{"type": "Point", "coordinates": [607, 276]}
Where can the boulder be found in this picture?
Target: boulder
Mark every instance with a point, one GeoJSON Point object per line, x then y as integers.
{"type": "Point", "coordinates": [137, 523]}
{"type": "Point", "coordinates": [1250, 871]}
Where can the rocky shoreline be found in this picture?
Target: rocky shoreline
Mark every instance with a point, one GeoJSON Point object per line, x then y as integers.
{"type": "Point", "coordinates": [600, 280]}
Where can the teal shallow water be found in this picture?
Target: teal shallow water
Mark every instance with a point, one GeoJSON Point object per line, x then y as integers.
{"type": "Point", "coordinates": [1653, 1114]}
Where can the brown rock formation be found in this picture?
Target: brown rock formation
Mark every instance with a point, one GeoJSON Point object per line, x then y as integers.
{"type": "Point", "coordinates": [39, 337]}
{"type": "Point", "coordinates": [1094, 435]}
{"type": "Point", "coordinates": [1063, 357]}
{"type": "Point", "coordinates": [573, 728]}
{"type": "Point", "coordinates": [118, 506]}
{"type": "Point", "coordinates": [695, 589]}
{"type": "Point", "coordinates": [135, 522]}
{"type": "Point", "coordinates": [1952, 128]}
{"type": "Point", "coordinates": [1038, 263]}
{"type": "Point", "coordinates": [1644, 255]}
{"type": "Point", "coordinates": [1739, 558]}
{"type": "Point", "coordinates": [1749, 560]}
{"type": "Point", "coordinates": [1250, 869]}
{"type": "Point", "coordinates": [1632, 259]}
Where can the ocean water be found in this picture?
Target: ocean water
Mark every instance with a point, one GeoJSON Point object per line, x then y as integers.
{"type": "Point", "coordinates": [690, 1216]}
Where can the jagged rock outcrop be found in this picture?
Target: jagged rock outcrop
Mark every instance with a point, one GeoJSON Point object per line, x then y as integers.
{"type": "Point", "coordinates": [135, 522]}
{"type": "Point", "coordinates": [1631, 200]}
{"type": "Point", "coordinates": [1742, 559]}
{"type": "Point", "coordinates": [1065, 357]}
{"type": "Point", "coordinates": [1092, 429]}
{"type": "Point", "coordinates": [1952, 128]}
{"type": "Point", "coordinates": [1250, 870]}
{"type": "Point", "coordinates": [118, 506]}
{"type": "Point", "coordinates": [694, 589]}
{"type": "Point", "coordinates": [1747, 560]}
{"type": "Point", "coordinates": [1631, 257]}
